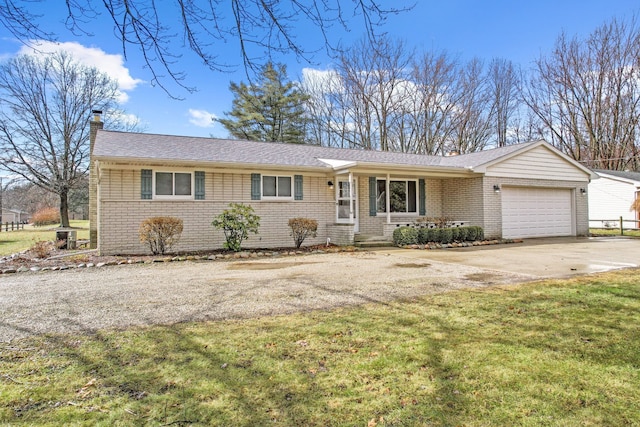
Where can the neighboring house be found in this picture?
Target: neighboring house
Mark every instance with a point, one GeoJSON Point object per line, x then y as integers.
{"type": "Point", "coordinates": [611, 196]}
{"type": "Point", "coordinates": [525, 190]}
{"type": "Point", "coordinates": [15, 215]}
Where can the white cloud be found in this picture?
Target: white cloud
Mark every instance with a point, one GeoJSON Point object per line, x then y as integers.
{"type": "Point", "coordinates": [110, 64]}
{"type": "Point", "coordinates": [321, 80]}
{"type": "Point", "coordinates": [201, 118]}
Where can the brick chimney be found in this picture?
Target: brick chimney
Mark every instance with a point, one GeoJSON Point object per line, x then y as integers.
{"type": "Point", "coordinates": [95, 125]}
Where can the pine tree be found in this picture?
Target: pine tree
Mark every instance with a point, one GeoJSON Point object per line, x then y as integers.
{"type": "Point", "coordinates": [271, 109]}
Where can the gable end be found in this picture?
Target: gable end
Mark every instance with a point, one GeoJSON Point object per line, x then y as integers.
{"type": "Point", "coordinates": [537, 163]}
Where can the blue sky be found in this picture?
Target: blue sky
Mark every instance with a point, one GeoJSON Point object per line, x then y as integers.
{"type": "Point", "coordinates": [516, 30]}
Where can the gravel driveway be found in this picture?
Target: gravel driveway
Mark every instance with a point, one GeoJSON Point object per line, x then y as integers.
{"type": "Point", "coordinates": [77, 301]}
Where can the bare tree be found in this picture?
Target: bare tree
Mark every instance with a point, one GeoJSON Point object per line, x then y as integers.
{"type": "Point", "coordinates": [260, 28]}
{"type": "Point", "coordinates": [473, 113]}
{"type": "Point", "coordinates": [379, 99]}
{"type": "Point", "coordinates": [587, 95]}
{"type": "Point", "coordinates": [28, 198]}
{"type": "Point", "coordinates": [374, 76]}
{"type": "Point", "coordinates": [502, 80]}
{"type": "Point", "coordinates": [436, 80]}
{"type": "Point", "coordinates": [44, 120]}
{"type": "Point", "coordinates": [327, 120]}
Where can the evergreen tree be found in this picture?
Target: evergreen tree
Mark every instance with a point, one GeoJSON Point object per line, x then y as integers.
{"type": "Point", "coordinates": [271, 109]}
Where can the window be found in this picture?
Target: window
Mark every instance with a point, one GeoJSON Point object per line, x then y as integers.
{"type": "Point", "coordinates": [173, 184]}
{"type": "Point", "coordinates": [276, 186]}
{"type": "Point", "coordinates": [403, 196]}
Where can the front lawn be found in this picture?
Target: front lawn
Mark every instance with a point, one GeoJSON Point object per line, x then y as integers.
{"type": "Point", "coordinates": [15, 241]}
{"type": "Point", "coordinates": [563, 352]}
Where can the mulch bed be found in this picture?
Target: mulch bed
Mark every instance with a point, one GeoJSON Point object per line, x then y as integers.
{"type": "Point", "coordinates": [62, 259]}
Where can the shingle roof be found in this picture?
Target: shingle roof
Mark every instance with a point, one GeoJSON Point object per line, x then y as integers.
{"type": "Point", "coordinates": [112, 145]}
{"type": "Point", "coordinates": [632, 176]}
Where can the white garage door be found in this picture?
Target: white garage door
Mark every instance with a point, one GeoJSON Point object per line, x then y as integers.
{"type": "Point", "coordinates": [536, 212]}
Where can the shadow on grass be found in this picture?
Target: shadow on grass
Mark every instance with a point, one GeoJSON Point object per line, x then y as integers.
{"type": "Point", "coordinates": [452, 359]}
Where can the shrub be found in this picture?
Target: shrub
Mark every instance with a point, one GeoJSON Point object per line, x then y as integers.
{"type": "Point", "coordinates": [472, 233]}
{"type": "Point", "coordinates": [479, 233]}
{"type": "Point", "coordinates": [237, 222]}
{"type": "Point", "coordinates": [46, 216]}
{"type": "Point", "coordinates": [42, 249]}
{"type": "Point", "coordinates": [434, 235]}
{"type": "Point", "coordinates": [462, 234]}
{"type": "Point", "coordinates": [455, 234]}
{"type": "Point", "coordinates": [301, 228]}
{"type": "Point", "coordinates": [423, 235]}
{"type": "Point", "coordinates": [160, 233]}
{"type": "Point", "coordinates": [446, 235]}
{"type": "Point", "coordinates": [405, 236]}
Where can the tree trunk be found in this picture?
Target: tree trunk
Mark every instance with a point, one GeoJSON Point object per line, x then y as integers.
{"type": "Point", "coordinates": [64, 209]}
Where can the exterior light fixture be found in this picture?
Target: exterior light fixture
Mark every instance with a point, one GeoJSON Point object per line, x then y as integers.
{"type": "Point", "coordinates": [330, 184]}
{"type": "Point", "coordinates": [583, 191]}
{"type": "Point", "coordinates": [496, 188]}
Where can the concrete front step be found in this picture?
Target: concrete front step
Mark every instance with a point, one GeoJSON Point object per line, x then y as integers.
{"type": "Point", "coordinates": [367, 241]}
{"type": "Point", "coordinates": [374, 244]}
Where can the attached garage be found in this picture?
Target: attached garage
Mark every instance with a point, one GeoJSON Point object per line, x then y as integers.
{"type": "Point", "coordinates": [537, 212]}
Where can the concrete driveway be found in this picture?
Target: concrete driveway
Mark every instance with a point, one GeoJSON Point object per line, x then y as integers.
{"type": "Point", "coordinates": [542, 258]}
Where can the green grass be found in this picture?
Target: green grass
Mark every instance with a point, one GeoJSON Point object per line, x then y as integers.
{"type": "Point", "coordinates": [558, 353]}
{"type": "Point", "coordinates": [613, 232]}
{"type": "Point", "coordinates": [15, 241]}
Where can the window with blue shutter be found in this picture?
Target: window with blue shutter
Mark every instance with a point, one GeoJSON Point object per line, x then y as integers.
{"type": "Point", "coordinates": [146, 184]}
{"type": "Point", "coordinates": [199, 184]}
{"type": "Point", "coordinates": [422, 197]}
{"type": "Point", "coordinates": [297, 187]}
{"type": "Point", "coordinates": [255, 186]}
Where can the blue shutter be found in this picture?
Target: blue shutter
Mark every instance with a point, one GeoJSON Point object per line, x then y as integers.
{"type": "Point", "coordinates": [297, 187]}
{"type": "Point", "coordinates": [422, 197]}
{"type": "Point", "coordinates": [199, 178]}
{"type": "Point", "coordinates": [255, 186]}
{"type": "Point", "coordinates": [146, 184]}
{"type": "Point", "coordinates": [373, 194]}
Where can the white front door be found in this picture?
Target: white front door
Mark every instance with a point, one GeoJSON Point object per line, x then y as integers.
{"type": "Point", "coordinates": [347, 202]}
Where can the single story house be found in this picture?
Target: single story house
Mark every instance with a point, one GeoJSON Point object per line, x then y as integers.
{"type": "Point", "coordinates": [524, 190]}
{"type": "Point", "coordinates": [611, 197]}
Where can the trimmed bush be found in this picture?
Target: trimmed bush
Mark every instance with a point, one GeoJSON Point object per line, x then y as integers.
{"type": "Point", "coordinates": [46, 216]}
{"type": "Point", "coordinates": [160, 233]}
{"type": "Point", "coordinates": [480, 235]}
{"type": "Point", "coordinates": [446, 235]}
{"type": "Point", "coordinates": [472, 234]}
{"type": "Point", "coordinates": [403, 236]}
{"type": "Point", "coordinates": [301, 228]}
{"type": "Point", "coordinates": [423, 235]}
{"type": "Point", "coordinates": [435, 235]}
{"type": "Point", "coordinates": [462, 234]}
{"type": "Point", "coordinates": [455, 234]}
{"type": "Point", "coordinates": [237, 222]}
